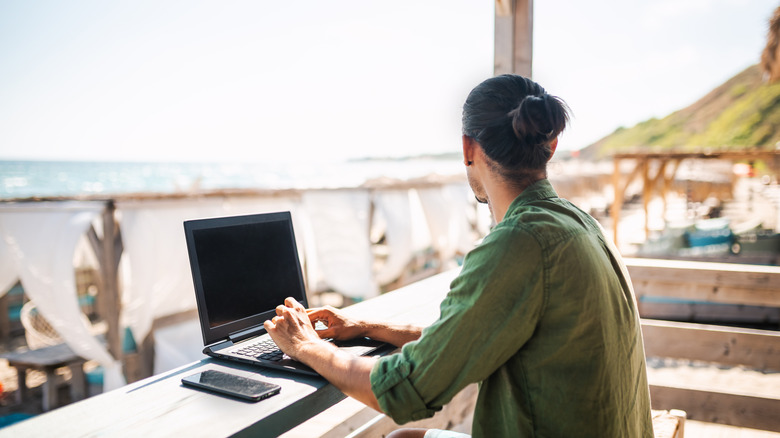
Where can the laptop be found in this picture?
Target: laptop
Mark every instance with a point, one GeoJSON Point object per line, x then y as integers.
{"type": "Point", "coordinates": [242, 268]}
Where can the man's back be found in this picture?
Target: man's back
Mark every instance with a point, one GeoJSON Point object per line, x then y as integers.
{"type": "Point", "coordinates": [582, 372]}
{"type": "Point", "coordinates": [543, 318]}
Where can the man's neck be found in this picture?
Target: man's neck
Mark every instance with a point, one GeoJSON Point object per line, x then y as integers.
{"type": "Point", "coordinates": [501, 195]}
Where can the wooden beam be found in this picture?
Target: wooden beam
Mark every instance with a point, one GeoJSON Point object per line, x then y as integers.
{"type": "Point", "coordinates": [717, 407]}
{"type": "Point", "coordinates": [752, 154]}
{"type": "Point", "coordinates": [667, 183]}
{"type": "Point", "coordinates": [617, 202]}
{"type": "Point", "coordinates": [756, 349]}
{"type": "Point", "coordinates": [707, 282]}
{"type": "Point", "coordinates": [660, 174]}
{"type": "Point", "coordinates": [108, 250]}
{"type": "Point", "coordinates": [513, 44]}
{"type": "Point", "coordinates": [620, 191]}
{"type": "Point", "coordinates": [647, 193]}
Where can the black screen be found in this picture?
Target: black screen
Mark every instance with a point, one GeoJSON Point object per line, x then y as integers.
{"type": "Point", "coordinates": [247, 269]}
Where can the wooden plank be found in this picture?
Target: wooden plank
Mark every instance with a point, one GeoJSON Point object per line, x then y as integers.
{"type": "Point", "coordinates": [162, 407]}
{"type": "Point", "coordinates": [297, 412]}
{"type": "Point", "coordinates": [54, 356]}
{"type": "Point", "coordinates": [718, 407]}
{"type": "Point", "coordinates": [163, 199]}
{"type": "Point", "coordinates": [513, 37]}
{"type": "Point", "coordinates": [454, 413]}
{"type": "Point", "coordinates": [746, 154]}
{"type": "Point", "coordinates": [668, 424]}
{"type": "Point", "coordinates": [709, 313]}
{"type": "Point", "coordinates": [758, 349]}
{"type": "Point", "coordinates": [703, 281]}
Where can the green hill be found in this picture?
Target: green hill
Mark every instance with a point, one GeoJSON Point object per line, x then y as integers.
{"type": "Point", "coordinates": [742, 113]}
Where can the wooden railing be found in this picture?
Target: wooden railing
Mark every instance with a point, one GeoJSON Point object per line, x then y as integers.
{"type": "Point", "coordinates": [729, 346]}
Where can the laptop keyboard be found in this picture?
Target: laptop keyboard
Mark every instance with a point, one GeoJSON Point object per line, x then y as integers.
{"type": "Point", "coordinates": [265, 349]}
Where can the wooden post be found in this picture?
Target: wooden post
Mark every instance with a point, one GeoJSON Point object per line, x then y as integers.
{"type": "Point", "coordinates": [647, 192]}
{"type": "Point", "coordinates": [620, 192]}
{"type": "Point", "coordinates": [108, 250]}
{"type": "Point", "coordinates": [661, 174]}
{"type": "Point", "coordinates": [649, 189]}
{"type": "Point", "coordinates": [513, 45]}
{"type": "Point", "coordinates": [617, 203]}
{"type": "Point", "coordinates": [667, 181]}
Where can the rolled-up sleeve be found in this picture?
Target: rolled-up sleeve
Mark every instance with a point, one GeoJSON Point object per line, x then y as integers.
{"type": "Point", "coordinates": [490, 312]}
{"type": "Point", "coordinates": [394, 391]}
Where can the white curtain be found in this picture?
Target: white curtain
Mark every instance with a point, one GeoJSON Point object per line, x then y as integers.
{"type": "Point", "coordinates": [399, 216]}
{"type": "Point", "coordinates": [41, 239]}
{"type": "Point", "coordinates": [449, 211]}
{"type": "Point", "coordinates": [339, 222]}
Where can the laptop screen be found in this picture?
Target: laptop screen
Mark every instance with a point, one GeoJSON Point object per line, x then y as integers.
{"type": "Point", "coordinates": [242, 268]}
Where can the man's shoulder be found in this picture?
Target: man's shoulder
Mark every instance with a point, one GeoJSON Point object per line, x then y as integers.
{"type": "Point", "coordinates": [547, 221]}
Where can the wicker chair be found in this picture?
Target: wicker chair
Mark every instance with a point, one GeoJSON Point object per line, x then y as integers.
{"type": "Point", "coordinates": [39, 333]}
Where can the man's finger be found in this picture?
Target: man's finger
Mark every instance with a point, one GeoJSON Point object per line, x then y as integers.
{"type": "Point", "coordinates": [269, 325]}
{"type": "Point", "coordinates": [317, 314]}
{"type": "Point", "coordinates": [279, 309]}
{"type": "Point", "coordinates": [326, 333]}
{"type": "Point", "coordinates": [292, 302]}
{"type": "Point", "coordinates": [288, 313]}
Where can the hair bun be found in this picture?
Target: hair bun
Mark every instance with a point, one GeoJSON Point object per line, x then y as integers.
{"type": "Point", "coordinates": [533, 121]}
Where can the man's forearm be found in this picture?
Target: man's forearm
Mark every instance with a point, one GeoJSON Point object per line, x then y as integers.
{"type": "Point", "coordinates": [350, 374]}
{"type": "Point", "coordinates": [293, 331]}
{"type": "Point", "coordinates": [395, 334]}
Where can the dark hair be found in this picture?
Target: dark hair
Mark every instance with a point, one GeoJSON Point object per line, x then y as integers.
{"type": "Point", "coordinates": [515, 121]}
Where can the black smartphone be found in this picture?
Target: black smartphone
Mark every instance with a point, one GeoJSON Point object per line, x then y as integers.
{"type": "Point", "coordinates": [231, 384]}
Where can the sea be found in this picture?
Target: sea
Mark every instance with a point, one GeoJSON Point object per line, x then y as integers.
{"type": "Point", "coordinates": [40, 179]}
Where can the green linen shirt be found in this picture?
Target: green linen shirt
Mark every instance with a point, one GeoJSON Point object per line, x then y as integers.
{"type": "Point", "coordinates": [544, 317]}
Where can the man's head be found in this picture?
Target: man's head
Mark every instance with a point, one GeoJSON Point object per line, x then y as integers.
{"type": "Point", "coordinates": [516, 125]}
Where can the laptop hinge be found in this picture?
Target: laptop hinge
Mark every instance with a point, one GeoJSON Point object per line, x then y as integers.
{"type": "Point", "coordinates": [248, 333]}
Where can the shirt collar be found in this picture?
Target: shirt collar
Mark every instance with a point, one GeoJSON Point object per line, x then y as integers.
{"type": "Point", "coordinates": [539, 190]}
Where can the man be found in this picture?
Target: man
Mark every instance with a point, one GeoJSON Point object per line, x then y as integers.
{"type": "Point", "coordinates": [542, 315]}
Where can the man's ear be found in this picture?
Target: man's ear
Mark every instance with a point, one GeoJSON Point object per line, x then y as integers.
{"type": "Point", "coordinates": [468, 150]}
{"type": "Point", "coordinates": [553, 147]}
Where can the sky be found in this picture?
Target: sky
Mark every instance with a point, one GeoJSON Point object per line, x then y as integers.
{"type": "Point", "coordinates": [318, 81]}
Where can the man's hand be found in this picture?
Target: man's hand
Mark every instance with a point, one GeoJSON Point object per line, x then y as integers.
{"type": "Point", "coordinates": [341, 327]}
{"type": "Point", "coordinates": [293, 332]}
{"type": "Point", "coordinates": [338, 325]}
{"type": "Point", "coordinates": [291, 328]}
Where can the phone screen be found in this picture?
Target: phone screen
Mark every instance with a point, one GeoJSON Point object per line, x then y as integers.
{"type": "Point", "coordinates": [231, 384]}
